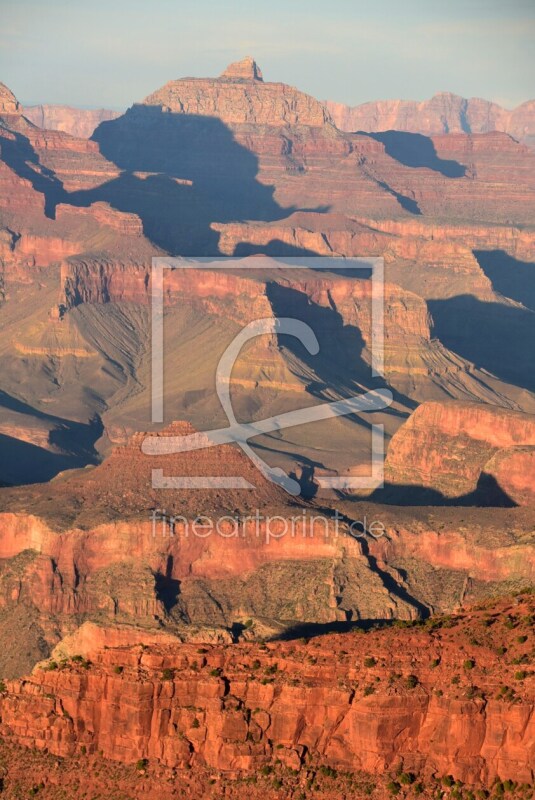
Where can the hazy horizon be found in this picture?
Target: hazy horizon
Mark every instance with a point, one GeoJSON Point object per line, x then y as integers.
{"type": "Point", "coordinates": [350, 52]}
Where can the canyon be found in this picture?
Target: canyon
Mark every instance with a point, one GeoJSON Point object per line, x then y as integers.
{"type": "Point", "coordinates": [202, 568]}
{"type": "Point", "coordinates": [177, 643]}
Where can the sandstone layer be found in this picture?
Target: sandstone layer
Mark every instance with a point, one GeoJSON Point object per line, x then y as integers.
{"type": "Point", "coordinates": [436, 701]}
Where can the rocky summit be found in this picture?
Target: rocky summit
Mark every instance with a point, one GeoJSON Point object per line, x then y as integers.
{"type": "Point", "coordinates": [173, 622]}
{"type": "Point", "coordinates": [238, 96]}
{"type": "Point", "coordinates": [245, 70]}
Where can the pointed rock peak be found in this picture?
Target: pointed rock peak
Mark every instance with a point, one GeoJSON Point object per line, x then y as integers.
{"type": "Point", "coordinates": [245, 70]}
{"type": "Point", "coordinates": [8, 102]}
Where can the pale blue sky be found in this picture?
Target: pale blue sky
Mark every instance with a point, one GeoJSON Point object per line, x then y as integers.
{"type": "Point", "coordinates": [113, 52]}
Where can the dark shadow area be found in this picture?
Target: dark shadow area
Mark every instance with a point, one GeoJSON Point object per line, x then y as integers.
{"type": "Point", "coordinates": [311, 630]}
{"type": "Point", "coordinates": [25, 463]}
{"type": "Point", "coordinates": [339, 362]}
{"type": "Point", "coordinates": [509, 276]}
{"type": "Point", "coordinates": [408, 203]}
{"type": "Point", "coordinates": [416, 150]}
{"type": "Point", "coordinates": [394, 588]}
{"type": "Point", "coordinates": [495, 337]}
{"type": "Point", "coordinates": [309, 488]}
{"type": "Point", "coordinates": [487, 494]}
{"type": "Point", "coordinates": [20, 156]}
{"type": "Point", "coordinates": [236, 629]}
{"type": "Point", "coordinates": [195, 174]}
{"type": "Point", "coordinates": [180, 173]}
{"type": "Point", "coordinates": [275, 248]}
{"type": "Point", "coordinates": [167, 588]}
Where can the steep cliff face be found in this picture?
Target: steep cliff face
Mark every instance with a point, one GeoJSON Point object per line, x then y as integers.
{"type": "Point", "coordinates": [443, 113]}
{"type": "Point", "coordinates": [423, 701]}
{"type": "Point", "coordinates": [446, 446]}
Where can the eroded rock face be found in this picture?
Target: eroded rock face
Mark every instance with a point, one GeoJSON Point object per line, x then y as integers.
{"type": "Point", "coordinates": [105, 546]}
{"type": "Point", "coordinates": [240, 96]}
{"type": "Point", "coordinates": [80, 122]}
{"type": "Point", "coordinates": [372, 702]}
{"type": "Point", "coordinates": [446, 446]}
{"type": "Point", "coordinates": [443, 113]}
{"type": "Point", "coordinates": [245, 70]}
{"type": "Point", "coordinates": [513, 469]}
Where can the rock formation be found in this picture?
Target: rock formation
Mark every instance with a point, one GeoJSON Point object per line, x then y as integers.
{"type": "Point", "coordinates": [453, 447]}
{"type": "Point", "coordinates": [9, 104]}
{"type": "Point", "coordinates": [427, 702]}
{"type": "Point", "coordinates": [245, 70]}
{"type": "Point", "coordinates": [240, 96]}
{"type": "Point", "coordinates": [92, 559]}
{"type": "Point", "coordinates": [443, 113]}
{"type": "Point", "coordinates": [79, 122]}
{"type": "Point", "coordinates": [105, 546]}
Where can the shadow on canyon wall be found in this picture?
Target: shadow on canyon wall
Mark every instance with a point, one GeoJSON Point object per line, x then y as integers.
{"type": "Point", "coordinates": [407, 203]}
{"type": "Point", "coordinates": [495, 337]}
{"type": "Point", "coordinates": [340, 361]}
{"type": "Point", "coordinates": [416, 150]}
{"type": "Point", "coordinates": [487, 494]}
{"type": "Point", "coordinates": [180, 173]}
{"type": "Point", "coordinates": [509, 276]}
{"type": "Point", "coordinates": [72, 443]}
{"type": "Point", "coordinates": [198, 174]}
{"type": "Point", "coordinates": [19, 155]}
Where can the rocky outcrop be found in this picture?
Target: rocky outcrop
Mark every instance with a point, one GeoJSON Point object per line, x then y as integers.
{"type": "Point", "coordinates": [245, 70]}
{"type": "Point", "coordinates": [240, 96]}
{"type": "Point", "coordinates": [443, 113]}
{"type": "Point", "coordinates": [80, 122]}
{"type": "Point", "coordinates": [9, 104]}
{"type": "Point", "coordinates": [446, 447]}
{"type": "Point", "coordinates": [425, 702]}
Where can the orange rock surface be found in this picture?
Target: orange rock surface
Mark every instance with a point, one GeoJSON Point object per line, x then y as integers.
{"type": "Point", "coordinates": [433, 701]}
{"type": "Point", "coordinates": [446, 446]}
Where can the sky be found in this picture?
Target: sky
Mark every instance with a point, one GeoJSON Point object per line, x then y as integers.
{"type": "Point", "coordinates": [111, 53]}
